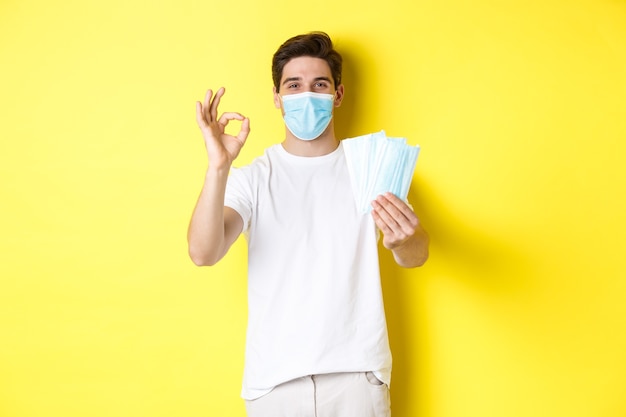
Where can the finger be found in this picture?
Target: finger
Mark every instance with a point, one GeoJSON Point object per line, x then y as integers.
{"type": "Point", "coordinates": [200, 115]}
{"type": "Point", "coordinates": [228, 116]}
{"type": "Point", "coordinates": [399, 209]}
{"type": "Point", "coordinates": [379, 221]}
{"type": "Point", "coordinates": [399, 218]}
{"type": "Point", "coordinates": [244, 131]}
{"type": "Point", "coordinates": [207, 105]}
{"type": "Point", "coordinates": [383, 218]}
{"type": "Point", "coordinates": [215, 103]}
{"type": "Point", "coordinates": [398, 204]}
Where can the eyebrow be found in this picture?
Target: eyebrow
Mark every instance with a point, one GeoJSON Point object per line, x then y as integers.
{"type": "Point", "coordinates": [290, 79]}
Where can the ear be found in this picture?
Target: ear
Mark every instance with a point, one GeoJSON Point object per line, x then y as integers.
{"type": "Point", "coordinates": [339, 95]}
{"type": "Point", "coordinates": [276, 98]}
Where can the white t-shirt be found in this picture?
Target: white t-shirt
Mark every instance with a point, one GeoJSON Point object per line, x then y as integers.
{"type": "Point", "coordinates": [314, 292]}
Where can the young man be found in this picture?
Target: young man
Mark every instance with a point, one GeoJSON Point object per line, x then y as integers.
{"type": "Point", "coordinates": [317, 337]}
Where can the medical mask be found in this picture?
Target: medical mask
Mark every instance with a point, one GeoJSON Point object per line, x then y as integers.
{"type": "Point", "coordinates": [307, 114]}
{"type": "Point", "coordinates": [379, 164]}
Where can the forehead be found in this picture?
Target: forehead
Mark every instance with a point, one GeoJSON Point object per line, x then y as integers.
{"type": "Point", "coordinates": [306, 67]}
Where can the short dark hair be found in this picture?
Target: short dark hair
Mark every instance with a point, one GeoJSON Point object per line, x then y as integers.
{"type": "Point", "coordinates": [313, 44]}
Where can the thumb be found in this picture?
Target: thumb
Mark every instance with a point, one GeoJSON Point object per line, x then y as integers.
{"type": "Point", "coordinates": [244, 131]}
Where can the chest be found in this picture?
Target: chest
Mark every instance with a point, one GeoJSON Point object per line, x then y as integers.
{"type": "Point", "coordinates": [306, 199]}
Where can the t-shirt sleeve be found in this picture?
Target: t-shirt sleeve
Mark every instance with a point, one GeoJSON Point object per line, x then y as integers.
{"type": "Point", "coordinates": [239, 194]}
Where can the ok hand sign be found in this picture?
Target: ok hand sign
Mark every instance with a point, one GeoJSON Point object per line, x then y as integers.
{"type": "Point", "coordinates": [222, 148]}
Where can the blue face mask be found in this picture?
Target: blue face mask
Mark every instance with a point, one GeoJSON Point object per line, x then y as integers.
{"type": "Point", "coordinates": [307, 114]}
{"type": "Point", "coordinates": [377, 164]}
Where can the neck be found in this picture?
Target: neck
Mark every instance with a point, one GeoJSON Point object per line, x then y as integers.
{"type": "Point", "coordinates": [322, 145]}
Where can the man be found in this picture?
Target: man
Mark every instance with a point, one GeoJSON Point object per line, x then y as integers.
{"type": "Point", "coordinates": [317, 337]}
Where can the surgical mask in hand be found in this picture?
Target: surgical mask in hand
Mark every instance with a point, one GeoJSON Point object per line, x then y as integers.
{"type": "Point", "coordinates": [378, 164]}
{"type": "Point", "coordinates": [308, 114]}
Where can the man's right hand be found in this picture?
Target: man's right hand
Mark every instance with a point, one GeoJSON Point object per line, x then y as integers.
{"type": "Point", "coordinates": [213, 227]}
{"type": "Point", "coordinates": [222, 148]}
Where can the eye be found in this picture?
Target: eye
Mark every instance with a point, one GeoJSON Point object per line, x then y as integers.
{"type": "Point", "coordinates": [292, 85]}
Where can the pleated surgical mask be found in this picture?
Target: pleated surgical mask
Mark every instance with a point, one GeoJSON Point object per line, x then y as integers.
{"type": "Point", "coordinates": [378, 164]}
{"type": "Point", "coordinates": [307, 114]}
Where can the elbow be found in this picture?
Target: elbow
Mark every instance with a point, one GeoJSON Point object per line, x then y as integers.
{"type": "Point", "coordinates": [202, 258]}
{"type": "Point", "coordinates": [205, 253]}
{"type": "Point", "coordinates": [198, 261]}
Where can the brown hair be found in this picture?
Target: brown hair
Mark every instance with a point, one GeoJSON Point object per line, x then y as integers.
{"type": "Point", "coordinates": [313, 44]}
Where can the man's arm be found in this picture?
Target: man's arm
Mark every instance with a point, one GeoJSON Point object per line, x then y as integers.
{"type": "Point", "coordinates": [214, 228]}
{"type": "Point", "coordinates": [403, 233]}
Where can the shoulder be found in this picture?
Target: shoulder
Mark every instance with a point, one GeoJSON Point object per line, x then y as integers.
{"type": "Point", "coordinates": [269, 156]}
{"type": "Point", "coordinates": [258, 168]}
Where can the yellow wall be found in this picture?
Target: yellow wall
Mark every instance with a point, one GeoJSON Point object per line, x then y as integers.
{"type": "Point", "coordinates": [520, 109]}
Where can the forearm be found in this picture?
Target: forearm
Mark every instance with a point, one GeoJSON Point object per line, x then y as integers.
{"type": "Point", "coordinates": [414, 251]}
{"type": "Point", "coordinates": [206, 233]}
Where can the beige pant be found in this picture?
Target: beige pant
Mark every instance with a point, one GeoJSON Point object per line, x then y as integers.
{"type": "Point", "coordinates": [357, 394]}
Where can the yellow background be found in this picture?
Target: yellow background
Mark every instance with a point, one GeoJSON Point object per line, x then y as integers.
{"type": "Point", "coordinates": [520, 109]}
